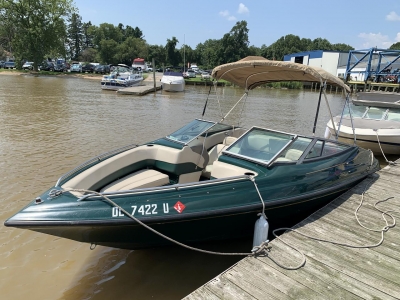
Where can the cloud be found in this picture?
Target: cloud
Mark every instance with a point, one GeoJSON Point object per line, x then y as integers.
{"type": "Point", "coordinates": [225, 14]}
{"type": "Point", "coordinates": [242, 9]}
{"type": "Point", "coordinates": [376, 40]}
{"type": "Point", "coordinates": [397, 39]}
{"type": "Point", "coordinates": [392, 16]}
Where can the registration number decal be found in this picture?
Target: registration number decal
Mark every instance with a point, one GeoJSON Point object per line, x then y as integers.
{"type": "Point", "coordinates": [143, 210]}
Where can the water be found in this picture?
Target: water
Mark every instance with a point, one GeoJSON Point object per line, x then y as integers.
{"type": "Point", "coordinates": [50, 125]}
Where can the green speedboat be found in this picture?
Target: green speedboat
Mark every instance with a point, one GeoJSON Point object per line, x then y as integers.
{"type": "Point", "coordinates": [206, 181]}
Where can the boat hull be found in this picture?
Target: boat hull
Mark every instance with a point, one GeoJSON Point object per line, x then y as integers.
{"type": "Point", "coordinates": [389, 139]}
{"type": "Point", "coordinates": [173, 83]}
{"type": "Point", "coordinates": [213, 225]}
{"type": "Point", "coordinates": [115, 86]}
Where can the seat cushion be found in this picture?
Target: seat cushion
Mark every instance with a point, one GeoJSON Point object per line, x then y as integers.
{"type": "Point", "coordinates": [139, 179]}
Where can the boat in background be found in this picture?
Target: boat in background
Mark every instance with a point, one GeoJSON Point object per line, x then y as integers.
{"type": "Point", "coordinates": [140, 64]}
{"type": "Point", "coordinates": [121, 76]}
{"type": "Point", "coordinates": [208, 180]}
{"type": "Point", "coordinates": [378, 99]}
{"type": "Point", "coordinates": [173, 81]}
{"type": "Point", "coordinates": [372, 121]}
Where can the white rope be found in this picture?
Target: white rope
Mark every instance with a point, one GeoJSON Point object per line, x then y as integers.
{"type": "Point", "coordinates": [382, 231]}
{"type": "Point", "coordinates": [379, 143]}
{"type": "Point", "coordinates": [263, 249]}
{"type": "Point", "coordinates": [260, 250]}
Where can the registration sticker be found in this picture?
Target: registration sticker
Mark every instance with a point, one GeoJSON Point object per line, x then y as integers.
{"type": "Point", "coordinates": [179, 206]}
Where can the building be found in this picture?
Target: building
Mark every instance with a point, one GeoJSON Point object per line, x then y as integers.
{"type": "Point", "coordinates": [378, 65]}
{"type": "Point", "coordinates": [331, 61]}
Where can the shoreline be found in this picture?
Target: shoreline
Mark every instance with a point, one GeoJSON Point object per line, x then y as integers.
{"type": "Point", "coordinates": [147, 77]}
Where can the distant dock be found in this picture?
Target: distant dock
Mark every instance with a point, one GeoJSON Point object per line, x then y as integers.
{"type": "Point", "coordinates": [140, 90]}
{"type": "Point", "coordinates": [331, 271]}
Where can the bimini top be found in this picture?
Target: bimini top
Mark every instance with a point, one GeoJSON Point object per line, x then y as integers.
{"type": "Point", "coordinates": [253, 71]}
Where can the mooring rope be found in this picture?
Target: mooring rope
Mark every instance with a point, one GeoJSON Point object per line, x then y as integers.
{"type": "Point", "coordinates": [259, 251]}
{"type": "Point", "coordinates": [382, 231]}
{"type": "Point", "coordinates": [263, 249]}
{"type": "Point", "coordinates": [379, 143]}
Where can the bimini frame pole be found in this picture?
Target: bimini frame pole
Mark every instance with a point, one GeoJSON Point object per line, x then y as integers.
{"type": "Point", "coordinates": [347, 102]}
{"type": "Point", "coordinates": [319, 103]}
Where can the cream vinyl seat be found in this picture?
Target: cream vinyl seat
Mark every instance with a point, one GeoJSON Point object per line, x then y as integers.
{"type": "Point", "coordinates": [215, 152]}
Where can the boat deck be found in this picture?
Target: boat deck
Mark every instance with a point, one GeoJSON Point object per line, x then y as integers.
{"type": "Point", "coordinates": [331, 271]}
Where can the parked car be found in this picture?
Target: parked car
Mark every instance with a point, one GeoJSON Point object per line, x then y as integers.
{"type": "Point", "coordinates": [149, 69]}
{"type": "Point", "coordinates": [60, 67]}
{"type": "Point", "coordinates": [102, 69]}
{"type": "Point", "coordinates": [46, 66]}
{"type": "Point", "coordinates": [27, 65]}
{"type": "Point", "coordinates": [9, 65]}
{"type": "Point", "coordinates": [205, 75]}
{"type": "Point", "coordinates": [159, 70]}
{"type": "Point", "coordinates": [191, 74]}
{"type": "Point", "coordinates": [76, 67]}
{"type": "Point", "coordinates": [88, 68]}
{"type": "Point", "coordinates": [1, 64]}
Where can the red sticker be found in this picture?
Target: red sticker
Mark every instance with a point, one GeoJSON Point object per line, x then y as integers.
{"type": "Point", "coordinates": [179, 206]}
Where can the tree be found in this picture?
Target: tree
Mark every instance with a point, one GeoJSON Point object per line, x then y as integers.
{"type": "Point", "coordinates": [88, 55]}
{"type": "Point", "coordinates": [395, 46]}
{"type": "Point", "coordinates": [158, 53]}
{"type": "Point", "coordinates": [89, 31]}
{"type": "Point", "coordinates": [130, 49]}
{"type": "Point", "coordinates": [208, 54]}
{"type": "Point", "coordinates": [75, 36]}
{"type": "Point", "coordinates": [107, 31]}
{"type": "Point", "coordinates": [172, 55]}
{"type": "Point", "coordinates": [39, 26]}
{"type": "Point", "coordinates": [107, 49]}
{"type": "Point", "coordinates": [235, 43]}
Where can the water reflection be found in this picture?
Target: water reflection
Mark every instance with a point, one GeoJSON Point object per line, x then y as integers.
{"type": "Point", "coordinates": [50, 125]}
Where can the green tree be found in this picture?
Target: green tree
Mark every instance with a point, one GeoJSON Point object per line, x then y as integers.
{"type": "Point", "coordinates": [208, 54]}
{"type": "Point", "coordinates": [39, 26]}
{"type": "Point", "coordinates": [235, 43]}
{"type": "Point", "coordinates": [130, 49]}
{"type": "Point", "coordinates": [88, 55]}
{"type": "Point", "coordinates": [107, 31]}
{"type": "Point", "coordinates": [107, 50]}
{"type": "Point", "coordinates": [395, 46]}
{"type": "Point", "coordinates": [88, 31]}
{"type": "Point", "coordinates": [75, 36]}
{"type": "Point", "coordinates": [158, 53]}
{"type": "Point", "coordinates": [172, 55]}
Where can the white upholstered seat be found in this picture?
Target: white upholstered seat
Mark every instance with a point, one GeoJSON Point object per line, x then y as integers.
{"type": "Point", "coordinates": [139, 179]}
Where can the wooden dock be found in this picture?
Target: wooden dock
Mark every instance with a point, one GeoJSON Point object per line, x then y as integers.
{"type": "Point", "coordinates": [331, 271]}
{"type": "Point", "coordinates": [140, 90]}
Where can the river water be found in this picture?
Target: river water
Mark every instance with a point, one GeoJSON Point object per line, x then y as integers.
{"type": "Point", "coordinates": [50, 125]}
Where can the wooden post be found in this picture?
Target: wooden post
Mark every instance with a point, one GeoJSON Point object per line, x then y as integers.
{"type": "Point", "coordinates": [154, 75]}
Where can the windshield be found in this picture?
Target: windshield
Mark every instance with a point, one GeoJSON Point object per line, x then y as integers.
{"type": "Point", "coordinates": [195, 129]}
{"type": "Point", "coordinates": [393, 114]}
{"type": "Point", "coordinates": [120, 69]}
{"type": "Point", "coordinates": [260, 144]}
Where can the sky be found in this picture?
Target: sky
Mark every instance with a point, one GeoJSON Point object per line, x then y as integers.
{"type": "Point", "coordinates": [360, 24]}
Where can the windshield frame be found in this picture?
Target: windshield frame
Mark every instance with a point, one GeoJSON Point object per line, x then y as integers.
{"type": "Point", "coordinates": [266, 163]}
{"type": "Point", "coordinates": [200, 134]}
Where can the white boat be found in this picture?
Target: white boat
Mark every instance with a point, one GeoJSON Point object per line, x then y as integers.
{"type": "Point", "coordinates": [173, 82]}
{"type": "Point", "coordinates": [372, 121]}
{"type": "Point", "coordinates": [122, 76]}
{"type": "Point", "coordinates": [140, 64]}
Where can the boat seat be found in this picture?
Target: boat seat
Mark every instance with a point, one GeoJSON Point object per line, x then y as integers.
{"type": "Point", "coordinates": [140, 179]}
{"type": "Point", "coordinates": [291, 155]}
{"type": "Point", "coordinates": [215, 152]}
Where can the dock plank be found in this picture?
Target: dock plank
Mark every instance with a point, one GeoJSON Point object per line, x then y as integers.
{"type": "Point", "coordinates": [322, 278]}
{"type": "Point", "coordinates": [331, 271]}
{"type": "Point", "coordinates": [139, 90]}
